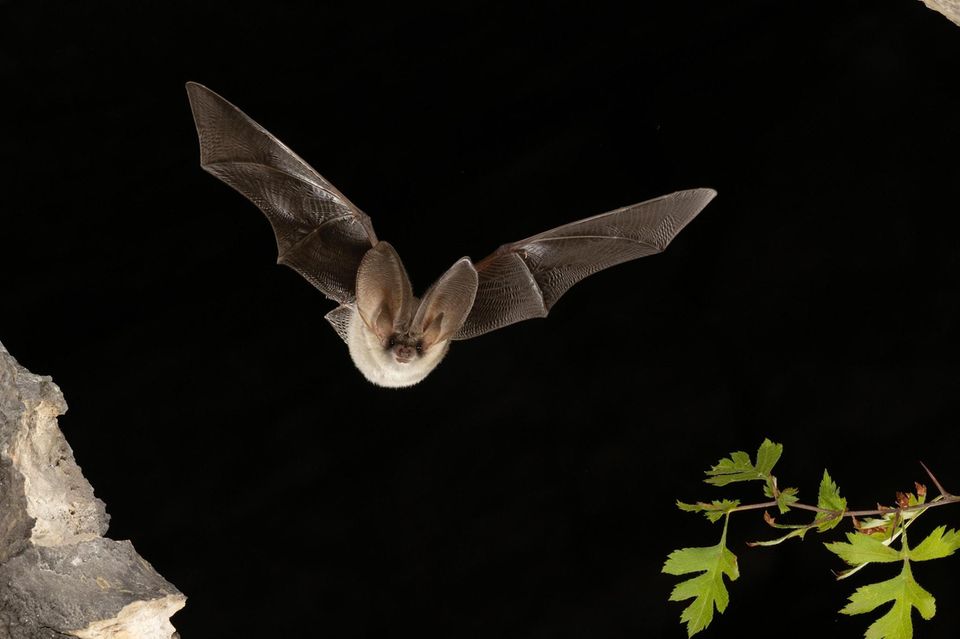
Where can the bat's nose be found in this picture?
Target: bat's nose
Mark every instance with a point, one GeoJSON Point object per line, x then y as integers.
{"type": "Point", "coordinates": [403, 354]}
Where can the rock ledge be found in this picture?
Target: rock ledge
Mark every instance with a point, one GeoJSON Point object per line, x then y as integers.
{"type": "Point", "coordinates": [949, 8]}
{"type": "Point", "coordinates": [59, 577]}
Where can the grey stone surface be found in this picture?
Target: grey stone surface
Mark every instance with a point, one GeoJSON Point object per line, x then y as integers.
{"type": "Point", "coordinates": [37, 469]}
{"type": "Point", "coordinates": [91, 580]}
{"type": "Point", "coordinates": [58, 576]}
{"type": "Point", "coordinates": [949, 8]}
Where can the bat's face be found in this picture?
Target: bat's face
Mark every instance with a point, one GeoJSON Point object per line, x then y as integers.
{"type": "Point", "coordinates": [400, 359]}
{"type": "Point", "coordinates": [405, 347]}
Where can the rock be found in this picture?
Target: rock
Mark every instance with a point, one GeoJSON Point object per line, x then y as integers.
{"type": "Point", "coordinates": [100, 586]}
{"type": "Point", "coordinates": [59, 577]}
{"type": "Point", "coordinates": [949, 8]}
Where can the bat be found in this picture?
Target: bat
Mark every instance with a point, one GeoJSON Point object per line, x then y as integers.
{"type": "Point", "coordinates": [396, 339]}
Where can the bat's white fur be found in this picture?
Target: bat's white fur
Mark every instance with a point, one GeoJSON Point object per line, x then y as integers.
{"type": "Point", "coordinates": [379, 365]}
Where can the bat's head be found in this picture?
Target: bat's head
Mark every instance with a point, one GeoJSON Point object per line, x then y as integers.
{"type": "Point", "coordinates": [398, 339]}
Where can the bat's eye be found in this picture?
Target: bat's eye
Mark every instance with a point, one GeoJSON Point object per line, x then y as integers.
{"type": "Point", "coordinates": [420, 346]}
{"type": "Point", "coordinates": [392, 341]}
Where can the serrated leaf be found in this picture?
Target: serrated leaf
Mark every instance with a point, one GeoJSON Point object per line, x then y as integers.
{"type": "Point", "coordinates": [738, 466]}
{"type": "Point", "coordinates": [707, 590]}
{"type": "Point", "coordinates": [829, 498]}
{"type": "Point", "coordinates": [767, 456]}
{"type": "Point", "coordinates": [939, 543]}
{"type": "Point", "coordinates": [713, 511]}
{"type": "Point", "coordinates": [786, 497]}
{"type": "Point", "coordinates": [861, 549]}
{"type": "Point", "coordinates": [882, 533]}
{"type": "Point", "coordinates": [905, 593]}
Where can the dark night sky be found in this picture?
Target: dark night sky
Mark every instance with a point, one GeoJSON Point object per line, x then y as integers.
{"type": "Point", "coordinates": [526, 488]}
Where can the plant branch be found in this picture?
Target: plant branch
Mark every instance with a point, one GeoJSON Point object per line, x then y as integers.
{"type": "Point", "coordinates": [766, 504]}
{"type": "Point", "coordinates": [943, 500]}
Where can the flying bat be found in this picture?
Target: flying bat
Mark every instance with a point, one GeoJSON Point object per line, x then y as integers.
{"type": "Point", "coordinates": [395, 338]}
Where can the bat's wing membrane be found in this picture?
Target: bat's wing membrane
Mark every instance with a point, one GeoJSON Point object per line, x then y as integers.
{"type": "Point", "coordinates": [320, 233]}
{"type": "Point", "coordinates": [524, 279]}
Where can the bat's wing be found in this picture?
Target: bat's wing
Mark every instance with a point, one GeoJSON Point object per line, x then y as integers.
{"type": "Point", "coordinates": [320, 233]}
{"type": "Point", "coordinates": [524, 279]}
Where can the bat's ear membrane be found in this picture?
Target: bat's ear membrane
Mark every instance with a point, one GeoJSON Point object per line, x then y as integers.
{"type": "Point", "coordinates": [446, 305]}
{"type": "Point", "coordinates": [384, 294]}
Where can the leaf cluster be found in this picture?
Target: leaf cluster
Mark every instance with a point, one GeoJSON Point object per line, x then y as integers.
{"type": "Point", "coordinates": [871, 541]}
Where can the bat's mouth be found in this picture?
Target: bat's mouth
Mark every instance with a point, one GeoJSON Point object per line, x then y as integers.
{"type": "Point", "coordinates": [404, 354]}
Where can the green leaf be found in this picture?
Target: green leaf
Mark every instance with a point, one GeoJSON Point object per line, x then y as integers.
{"type": "Point", "coordinates": [738, 467]}
{"type": "Point", "coordinates": [939, 543]}
{"type": "Point", "coordinates": [713, 511]}
{"type": "Point", "coordinates": [861, 549]}
{"type": "Point", "coordinates": [829, 499]}
{"type": "Point", "coordinates": [767, 456]}
{"type": "Point", "coordinates": [707, 589]}
{"type": "Point", "coordinates": [905, 593]}
{"type": "Point", "coordinates": [829, 495]}
{"type": "Point", "coordinates": [786, 497]}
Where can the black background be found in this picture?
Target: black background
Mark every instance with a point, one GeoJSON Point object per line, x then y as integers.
{"type": "Point", "coordinates": [526, 488]}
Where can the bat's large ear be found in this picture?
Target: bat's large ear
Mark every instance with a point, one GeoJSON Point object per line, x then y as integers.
{"type": "Point", "coordinates": [384, 294]}
{"type": "Point", "coordinates": [446, 305]}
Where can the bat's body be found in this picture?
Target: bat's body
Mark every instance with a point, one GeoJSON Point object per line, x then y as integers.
{"type": "Point", "coordinates": [394, 338]}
